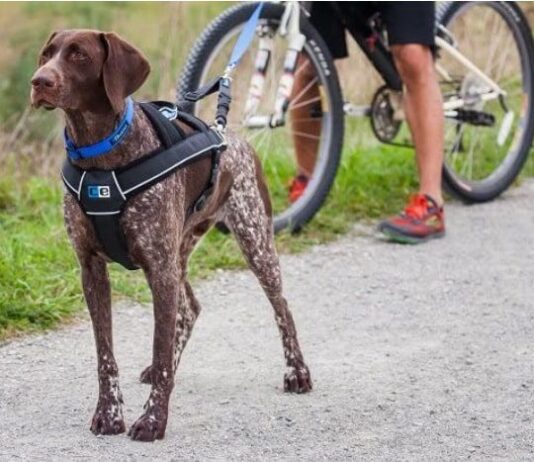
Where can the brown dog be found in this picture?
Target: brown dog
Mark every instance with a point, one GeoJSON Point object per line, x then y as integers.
{"type": "Point", "coordinates": [88, 74]}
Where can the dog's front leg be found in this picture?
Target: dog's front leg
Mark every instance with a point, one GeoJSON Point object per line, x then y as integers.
{"type": "Point", "coordinates": [108, 419]}
{"type": "Point", "coordinates": [188, 311]}
{"type": "Point", "coordinates": [164, 283]}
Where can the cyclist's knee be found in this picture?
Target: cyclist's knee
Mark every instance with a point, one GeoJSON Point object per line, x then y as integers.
{"type": "Point", "coordinates": [414, 62]}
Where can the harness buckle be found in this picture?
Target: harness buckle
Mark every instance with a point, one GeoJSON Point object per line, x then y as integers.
{"type": "Point", "coordinates": [220, 129]}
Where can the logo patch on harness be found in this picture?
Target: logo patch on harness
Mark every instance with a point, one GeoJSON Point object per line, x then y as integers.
{"type": "Point", "coordinates": [99, 192]}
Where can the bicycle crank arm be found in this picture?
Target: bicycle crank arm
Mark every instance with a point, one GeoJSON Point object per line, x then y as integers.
{"type": "Point", "coordinates": [352, 110]}
{"type": "Point", "coordinates": [477, 118]}
{"type": "Point", "coordinates": [458, 103]}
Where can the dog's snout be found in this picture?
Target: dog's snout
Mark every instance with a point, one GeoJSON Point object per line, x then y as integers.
{"type": "Point", "coordinates": [45, 87]}
{"type": "Point", "coordinates": [42, 80]}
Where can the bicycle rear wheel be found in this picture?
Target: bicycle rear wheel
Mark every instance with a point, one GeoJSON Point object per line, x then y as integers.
{"type": "Point", "coordinates": [275, 146]}
{"type": "Point", "coordinates": [481, 161]}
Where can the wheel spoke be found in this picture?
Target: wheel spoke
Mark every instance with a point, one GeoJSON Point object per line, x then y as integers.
{"type": "Point", "coordinates": [303, 92]}
{"type": "Point", "coordinates": [302, 66]}
{"type": "Point", "coordinates": [305, 135]}
{"type": "Point", "coordinates": [256, 134]}
{"type": "Point", "coordinates": [305, 103]}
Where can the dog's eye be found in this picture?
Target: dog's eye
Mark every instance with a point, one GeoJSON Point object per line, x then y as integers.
{"type": "Point", "coordinates": [78, 56]}
{"type": "Point", "coordinates": [46, 55]}
{"type": "Point", "coordinates": [76, 53]}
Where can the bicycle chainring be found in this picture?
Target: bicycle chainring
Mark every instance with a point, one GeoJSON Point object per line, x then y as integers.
{"type": "Point", "coordinates": [385, 108]}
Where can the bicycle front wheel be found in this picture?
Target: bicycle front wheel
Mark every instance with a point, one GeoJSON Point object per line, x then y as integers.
{"type": "Point", "coordinates": [488, 141]}
{"type": "Point", "coordinates": [319, 123]}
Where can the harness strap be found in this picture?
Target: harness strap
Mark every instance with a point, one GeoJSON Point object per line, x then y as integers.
{"type": "Point", "coordinates": [109, 233]}
{"type": "Point", "coordinates": [141, 175]}
{"type": "Point", "coordinates": [220, 84]}
{"type": "Point", "coordinates": [153, 110]}
{"type": "Point", "coordinates": [215, 159]}
{"type": "Point", "coordinates": [195, 123]}
{"type": "Point", "coordinates": [205, 90]}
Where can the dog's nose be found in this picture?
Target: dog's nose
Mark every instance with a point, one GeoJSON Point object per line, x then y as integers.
{"type": "Point", "coordinates": [40, 81]}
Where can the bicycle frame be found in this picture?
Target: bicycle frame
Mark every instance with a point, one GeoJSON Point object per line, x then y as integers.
{"type": "Point", "coordinates": [381, 58]}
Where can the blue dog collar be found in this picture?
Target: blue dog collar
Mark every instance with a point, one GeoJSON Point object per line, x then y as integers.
{"type": "Point", "coordinates": [108, 143]}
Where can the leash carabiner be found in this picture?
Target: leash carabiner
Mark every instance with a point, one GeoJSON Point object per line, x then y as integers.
{"type": "Point", "coordinates": [225, 83]}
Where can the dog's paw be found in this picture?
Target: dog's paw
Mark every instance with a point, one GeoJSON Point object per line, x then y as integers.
{"type": "Point", "coordinates": [107, 420]}
{"type": "Point", "coordinates": [147, 428]}
{"type": "Point", "coordinates": [146, 375]}
{"type": "Point", "coordinates": [297, 380]}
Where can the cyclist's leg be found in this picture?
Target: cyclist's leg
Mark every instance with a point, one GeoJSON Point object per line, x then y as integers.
{"type": "Point", "coordinates": [304, 118]}
{"type": "Point", "coordinates": [410, 27]}
{"type": "Point", "coordinates": [411, 35]}
{"type": "Point", "coordinates": [424, 112]}
{"type": "Point", "coordinates": [302, 122]}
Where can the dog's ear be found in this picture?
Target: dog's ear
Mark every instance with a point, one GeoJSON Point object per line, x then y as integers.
{"type": "Point", "coordinates": [125, 69]}
{"type": "Point", "coordinates": [40, 57]}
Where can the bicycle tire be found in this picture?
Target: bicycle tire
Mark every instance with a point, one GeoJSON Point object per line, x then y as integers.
{"type": "Point", "coordinates": [199, 58]}
{"type": "Point", "coordinates": [506, 173]}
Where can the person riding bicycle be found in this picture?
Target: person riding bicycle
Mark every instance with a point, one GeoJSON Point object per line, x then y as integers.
{"type": "Point", "coordinates": [410, 33]}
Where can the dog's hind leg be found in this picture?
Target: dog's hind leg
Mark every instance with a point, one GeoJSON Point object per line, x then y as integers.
{"type": "Point", "coordinates": [248, 217]}
{"type": "Point", "coordinates": [107, 419]}
{"type": "Point", "coordinates": [189, 311]}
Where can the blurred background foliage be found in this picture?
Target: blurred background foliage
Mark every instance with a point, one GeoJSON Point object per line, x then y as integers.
{"type": "Point", "coordinates": [164, 31]}
{"type": "Point", "coordinates": [30, 141]}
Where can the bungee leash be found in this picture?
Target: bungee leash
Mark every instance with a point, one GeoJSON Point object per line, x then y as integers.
{"type": "Point", "coordinates": [223, 83]}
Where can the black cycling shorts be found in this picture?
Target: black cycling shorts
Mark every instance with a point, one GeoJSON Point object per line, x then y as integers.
{"type": "Point", "coordinates": [405, 22]}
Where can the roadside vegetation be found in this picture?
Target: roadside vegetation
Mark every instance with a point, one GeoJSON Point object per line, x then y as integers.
{"type": "Point", "coordinates": [39, 275]}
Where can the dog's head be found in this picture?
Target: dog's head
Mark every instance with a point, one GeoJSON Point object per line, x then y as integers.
{"type": "Point", "coordinates": [81, 70]}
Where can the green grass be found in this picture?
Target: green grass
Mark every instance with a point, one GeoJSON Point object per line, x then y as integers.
{"type": "Point", "coordinates": [39, 275]}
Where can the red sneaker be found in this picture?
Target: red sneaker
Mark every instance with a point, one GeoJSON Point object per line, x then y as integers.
{"type": "Point", "coordinates": [422, 219]}
{"type": "Point", "coordinates": [297, 187]}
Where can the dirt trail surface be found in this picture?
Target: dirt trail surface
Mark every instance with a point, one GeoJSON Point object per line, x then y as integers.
{"type": "Point", "coordinates": [417, 353]}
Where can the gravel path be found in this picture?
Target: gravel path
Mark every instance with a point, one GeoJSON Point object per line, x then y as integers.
{"type": "Point", "coordinates": [417, 353]}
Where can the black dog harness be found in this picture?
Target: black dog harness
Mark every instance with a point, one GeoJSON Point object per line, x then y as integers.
{"type": "Point", "coordinates": [103, 194]}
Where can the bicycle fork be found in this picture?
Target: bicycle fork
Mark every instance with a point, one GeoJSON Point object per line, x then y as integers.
{"type": "Point", "coordinates": [290, 27]}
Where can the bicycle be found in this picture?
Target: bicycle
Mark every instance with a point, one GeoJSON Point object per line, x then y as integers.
{"type": "Point", "coordinates": [487, 96]}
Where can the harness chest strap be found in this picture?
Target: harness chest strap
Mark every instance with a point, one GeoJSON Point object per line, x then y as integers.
{"type": "Point", "coordinates": [103, 194]}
